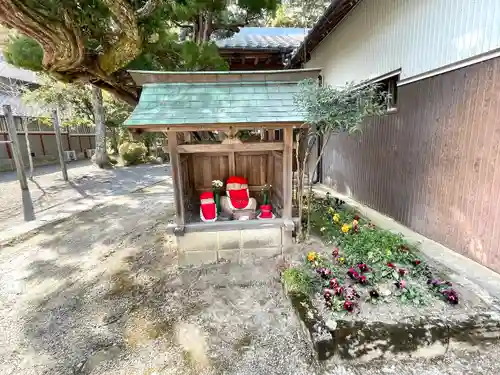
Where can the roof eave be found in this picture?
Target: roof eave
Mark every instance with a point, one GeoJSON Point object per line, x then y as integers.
{"type": "Point", "coordinates": [291, 75]}
{"type": "Point", "coordinates": [332, 16]}
{"type": "Point", "coordinates": [227, 50]}
{"type": "Point", "coordinates": [213, 126]}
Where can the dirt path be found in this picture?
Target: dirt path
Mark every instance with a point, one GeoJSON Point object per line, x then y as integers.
{"type": "Point", "coordinates": [101, 294]}
{"type": "Point", "coordinates": [49, 191]}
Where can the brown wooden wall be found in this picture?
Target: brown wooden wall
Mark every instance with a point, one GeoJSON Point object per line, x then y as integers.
{"type": "Point", "coordinates": [277, 181]}
{"type": "Point", "coordinates": [435, 164]}
{"type": "Point", "coordinates": [202, 168]}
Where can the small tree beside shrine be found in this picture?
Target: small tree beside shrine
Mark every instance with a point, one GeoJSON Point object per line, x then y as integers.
{"type": "Point", "coordinates": [329, 111]}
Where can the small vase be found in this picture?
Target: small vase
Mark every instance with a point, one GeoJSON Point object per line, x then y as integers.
{"type": "Point", "coordinates": [217, 201]}
{"type": "Point", "coordinates": [266, 212]}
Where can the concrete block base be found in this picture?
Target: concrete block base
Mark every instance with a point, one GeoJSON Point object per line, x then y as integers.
{"type": "Point", "coordinates": [231, 243]}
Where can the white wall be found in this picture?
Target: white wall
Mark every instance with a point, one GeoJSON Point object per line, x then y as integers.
{"type": "Point", "coordinates": [416, 36]}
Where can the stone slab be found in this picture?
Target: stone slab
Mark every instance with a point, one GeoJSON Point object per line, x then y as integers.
{"type": "Point", "coordinates": [229, 245]}
{"type": "Point", "coordinates": [198, 241]}
{"type": "Point", "coordinates": [233, 256]}
{"type": "Point", "coordinates": [229, 239]}
{"type": "Point", "coordinates": [195, 258]}
{"type": "Point", "coordinates": [362, 341]}
{"type": "Point", "coordinates": [261, 238]}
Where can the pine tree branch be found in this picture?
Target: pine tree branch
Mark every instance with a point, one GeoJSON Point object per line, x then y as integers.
{"type": "Point", "coordinates": [147, 9]}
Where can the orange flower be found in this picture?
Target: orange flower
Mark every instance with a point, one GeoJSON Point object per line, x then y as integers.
{"type": "Point", "coordinates": [311, 256]}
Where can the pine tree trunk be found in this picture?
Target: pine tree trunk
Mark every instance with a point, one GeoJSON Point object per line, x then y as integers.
{"type": "Point", "coordinates": [101, 156]}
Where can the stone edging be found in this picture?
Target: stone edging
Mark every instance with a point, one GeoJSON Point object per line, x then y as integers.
{"type": "Point", "coordinates": [415, 337]}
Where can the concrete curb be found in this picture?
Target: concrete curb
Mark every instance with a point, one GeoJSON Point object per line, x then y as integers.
{"type": "Point", "coordinates": [422, 337]}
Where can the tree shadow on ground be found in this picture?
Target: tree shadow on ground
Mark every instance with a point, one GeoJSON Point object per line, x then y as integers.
{"type": "Point", "coordinates": [121, 304]}
{"type": "Point", "coordinates": [43, 269]}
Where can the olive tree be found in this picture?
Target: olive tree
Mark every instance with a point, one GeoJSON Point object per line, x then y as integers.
{"type": "Point", "coordinates": [329, 111]}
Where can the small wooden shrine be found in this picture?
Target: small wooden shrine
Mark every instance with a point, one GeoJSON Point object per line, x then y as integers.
{"type": "Point", "coordinates": [236, 127]}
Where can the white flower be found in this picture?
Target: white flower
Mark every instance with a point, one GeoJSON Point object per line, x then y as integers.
{"type": "Point", "coordinates": [217, 183]}
{"type": "Point", "coordinates": [322, 229]}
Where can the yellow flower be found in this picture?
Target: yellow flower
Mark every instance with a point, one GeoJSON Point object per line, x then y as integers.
{"type": "Point", "coordinates": [355, 222]}
{"type": "Point", "coordinates": [345, 228]}
{"type": "Point", "coordinates": [311, 256]}
{"type": "Point", "coordinates": [336, 218]}
{"type": "Point", "coordinates": [331, 211]}
{"type": "Point", "coordinates": [341, 260]}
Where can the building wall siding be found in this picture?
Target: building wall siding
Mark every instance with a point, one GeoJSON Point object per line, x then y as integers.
{"type": "Point", "coordinates": [49, 149]}
{"type": "Point", "coordinates": [433, 165]}
{"type": "Point", "coordinates": [416, 36]}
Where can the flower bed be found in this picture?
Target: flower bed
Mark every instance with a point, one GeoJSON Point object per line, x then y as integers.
{"type": "Point", "coordinates": [363, 292]}
{"type": "Point", "coordinates": [361, 266]}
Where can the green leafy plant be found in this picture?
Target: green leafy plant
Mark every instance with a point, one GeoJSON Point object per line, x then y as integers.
{"type": "Point", "coordinates": [329, 111]}
{"type": "Point", "coordinates": [133, 152]}
{"type": "Point", "coordinates": [98, 41]}
{"type": "Point", "coordinates": [298, 280]}
{"type": "Point", "coordinates": [369, 256]}
{"type": "Point", "coordinates": [416, 296]}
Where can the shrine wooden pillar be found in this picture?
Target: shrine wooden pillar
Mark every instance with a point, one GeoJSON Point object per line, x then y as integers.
{"type": "Point", "coordinates": [287, 172]}
{"type": "Point", "coordinates": [177, 182]}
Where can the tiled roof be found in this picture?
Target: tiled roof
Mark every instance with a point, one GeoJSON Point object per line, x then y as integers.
{"type": "Point", "coordinates": [276, 38]}
{"type": "Point", "coordinates": [213, 103]}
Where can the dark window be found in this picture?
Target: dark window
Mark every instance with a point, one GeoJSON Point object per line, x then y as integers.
{"type": "Point", "coordinates": [389, 89]}
{"type": "Point", "coordinates": [278, 135]}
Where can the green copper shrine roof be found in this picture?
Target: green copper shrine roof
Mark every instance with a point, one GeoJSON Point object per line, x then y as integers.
{"type": "Point", "coordinates": [228, 98]}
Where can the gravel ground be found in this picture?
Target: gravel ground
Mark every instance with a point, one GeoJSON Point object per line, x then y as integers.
{"type": "Point", "coordinates": [100, 293]}
{"type": "Point", "coordinates": [48, 190]}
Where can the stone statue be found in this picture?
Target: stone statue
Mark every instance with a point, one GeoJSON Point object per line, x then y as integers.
{"type": "Point", "coordinates": [237, 198]}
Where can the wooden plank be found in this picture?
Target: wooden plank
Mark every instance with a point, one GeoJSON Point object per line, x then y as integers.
{"type": "Point", "coordinates": [233, 147]}
{"type": "Point", "coordinates": [263, 169]}
{"type": "Point", "coordinates": [232, 164]}
{"type": "Point", "coordinates": [250, 188]}
{"type": "Point", "coordinates": [177, 180]}
{"type": "Point", "coordinates": [207, 169]}
{"type": "Point", "coordinates": [270, 135]}
{"type": "Point", "coordinates": [278, 155]}
{"type": "Point", "coordinates": [270, 169]}
{"type": "Point", "coordinates": [213, 127]}
{"type": "Point", "coordinates": [252, 153]}
{"type": "Point", "coordinates": [28, 211]}
{"type": "Point", "coordinates": [57, 131]}
{"type": "Point", "coordinates": [287, 173]}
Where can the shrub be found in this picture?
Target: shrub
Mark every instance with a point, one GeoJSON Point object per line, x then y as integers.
{"type": "Point", "coordinates": [132, 152]}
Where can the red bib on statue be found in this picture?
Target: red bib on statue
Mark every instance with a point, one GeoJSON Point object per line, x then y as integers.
{"type": "Point", "coordinates": [237, 191]}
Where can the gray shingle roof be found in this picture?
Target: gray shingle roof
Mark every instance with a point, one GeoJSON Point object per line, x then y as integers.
{"type": "Point", "coordinates": [216, 103]}
{"type": "Point", "coordinates": [275, 38]}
